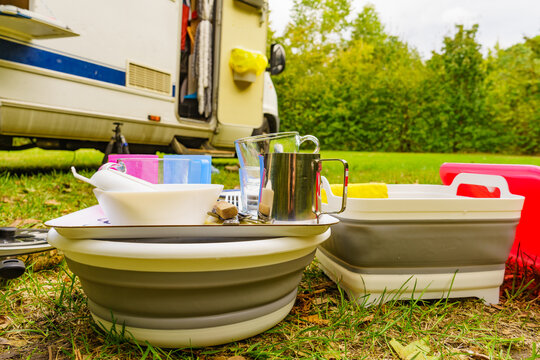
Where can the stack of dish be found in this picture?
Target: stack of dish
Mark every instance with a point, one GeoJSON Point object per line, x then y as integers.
{"type": "Point", "coordinates": [423, 241]}
{"type": "Point", "coordinates": [187, 285]}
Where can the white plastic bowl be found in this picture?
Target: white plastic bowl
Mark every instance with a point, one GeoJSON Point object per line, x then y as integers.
{"type": "Point", "coordinates": [169, 204]}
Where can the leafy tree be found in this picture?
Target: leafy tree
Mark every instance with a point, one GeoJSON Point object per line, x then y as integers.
{"type": "Point", "coordinates": [367, 26]}
{"type": "Point", "coordinates": [457, 87]}
{"type": "Point", "coordinates": [312, 39]}
{"type": "Point", "coordinates": [319, 25]}
{"type": "Point", "coordinates": [514, 96]}
{"type": "Point", "coordinates": [357, 96]}
{"type": "Point", "coordinates": [358, 88]}
{"type": "Point", "coordinates": [534, 45]}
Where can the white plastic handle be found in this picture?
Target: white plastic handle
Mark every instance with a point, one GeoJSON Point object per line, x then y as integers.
{"type": "Point", "coordinates": [82, 178]}
{"type": "Point", "coordinates": [112, 180]}
{"type": "Point", "coordinates": [326, 187]}
{"type": "Point", "coordinates": [333, 200]}
{"type": "Point", "coordinates": [494, 181]}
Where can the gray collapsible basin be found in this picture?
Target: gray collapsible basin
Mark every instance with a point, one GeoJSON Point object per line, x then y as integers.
{"type": "Point", "coordinates": [189, 292]}
{"type": "Point", "coordinates": [423, 241]}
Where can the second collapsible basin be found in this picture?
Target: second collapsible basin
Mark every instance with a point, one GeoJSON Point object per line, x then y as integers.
{"type": "Point", "coordinates": [423, 241]}
{"type": "Point", "coordinates": [194, 290]}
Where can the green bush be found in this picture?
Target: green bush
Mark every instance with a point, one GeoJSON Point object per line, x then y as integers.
{"type": "Point", "coordinates": [369, 91]}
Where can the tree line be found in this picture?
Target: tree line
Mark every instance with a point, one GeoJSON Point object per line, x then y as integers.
{"type": "Point", "coordinates": [356, 87]}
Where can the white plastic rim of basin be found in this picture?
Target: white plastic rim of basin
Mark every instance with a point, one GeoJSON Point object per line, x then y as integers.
{"type": "Point", "coordinates": [203, 336]}
{"type": "Point", "coordinates": [367, 289]}
{"type": "Point", "coordinates": [431, 202]}
{"type": "Point", "coordinates": [169, 204]}
{"type": "Point", "coordinates": [188, 257]}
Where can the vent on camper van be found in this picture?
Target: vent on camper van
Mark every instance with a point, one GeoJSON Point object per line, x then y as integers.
{"type": "Point", "coordinates": [143, 77]}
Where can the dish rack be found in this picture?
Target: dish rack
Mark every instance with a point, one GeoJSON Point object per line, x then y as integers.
{"type": "Point", "coordinates": [231, 196]}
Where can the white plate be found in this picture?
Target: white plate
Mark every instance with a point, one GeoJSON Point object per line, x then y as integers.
{"type": "Point", "coordinates": [91, 223]}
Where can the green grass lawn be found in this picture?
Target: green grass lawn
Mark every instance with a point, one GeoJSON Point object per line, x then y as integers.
{"type": "Point", "coordinates": [44, 314]}
{"type": "Point", "coordinates": [37, 184]}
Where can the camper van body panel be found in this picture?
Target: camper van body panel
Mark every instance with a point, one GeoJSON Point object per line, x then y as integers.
{"type": "Point", "coordinates": [77, 87]}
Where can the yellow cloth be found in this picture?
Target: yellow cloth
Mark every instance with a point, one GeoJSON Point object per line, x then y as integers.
{"type": "Point", "coordinates": [243, 61]}
{"type": "Point", "coordinates": [359, 191]}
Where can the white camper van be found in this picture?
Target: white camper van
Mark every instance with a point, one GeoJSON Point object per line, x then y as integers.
{"type": "Point", "coordinates": [71, 69]}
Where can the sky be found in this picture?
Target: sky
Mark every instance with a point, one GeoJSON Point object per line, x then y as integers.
{"type": "Point", "coordinates": [424, 23]}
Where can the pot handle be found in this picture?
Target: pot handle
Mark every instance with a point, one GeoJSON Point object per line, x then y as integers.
{"type": "Point", "coordinates": [328, 190]}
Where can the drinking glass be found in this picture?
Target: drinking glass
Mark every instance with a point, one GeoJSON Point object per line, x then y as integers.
{"type": "Point", "coordinates": [248, 150]}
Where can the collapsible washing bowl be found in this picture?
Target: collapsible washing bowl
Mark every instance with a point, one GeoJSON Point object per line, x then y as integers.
{"type": "Point", "coordinates": [522, 180]}
{"type": "Point", "coordinates": [423, 241]}
{"type": "Point", "coordinates": [176, 292]}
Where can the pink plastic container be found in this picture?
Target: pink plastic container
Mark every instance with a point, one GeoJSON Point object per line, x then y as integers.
{"type": "Point", "coordinates": [522, 180]}
{"type": "Point", "coordinates": [146, 170]}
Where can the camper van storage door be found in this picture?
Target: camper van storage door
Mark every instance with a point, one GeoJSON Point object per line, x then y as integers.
{"type": "Point", "coordinates": [255, 3]}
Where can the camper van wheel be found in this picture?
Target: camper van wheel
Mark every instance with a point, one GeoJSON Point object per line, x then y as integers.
{"type": "Point", "coordinates": [264, 129]}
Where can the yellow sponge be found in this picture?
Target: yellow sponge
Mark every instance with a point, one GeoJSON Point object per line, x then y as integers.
{"type": "Point", "coordinates": [359, 191]}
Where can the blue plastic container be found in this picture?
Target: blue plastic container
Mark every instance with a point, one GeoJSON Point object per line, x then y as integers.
{"type": "Point", "coordinates": [200, 169]}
